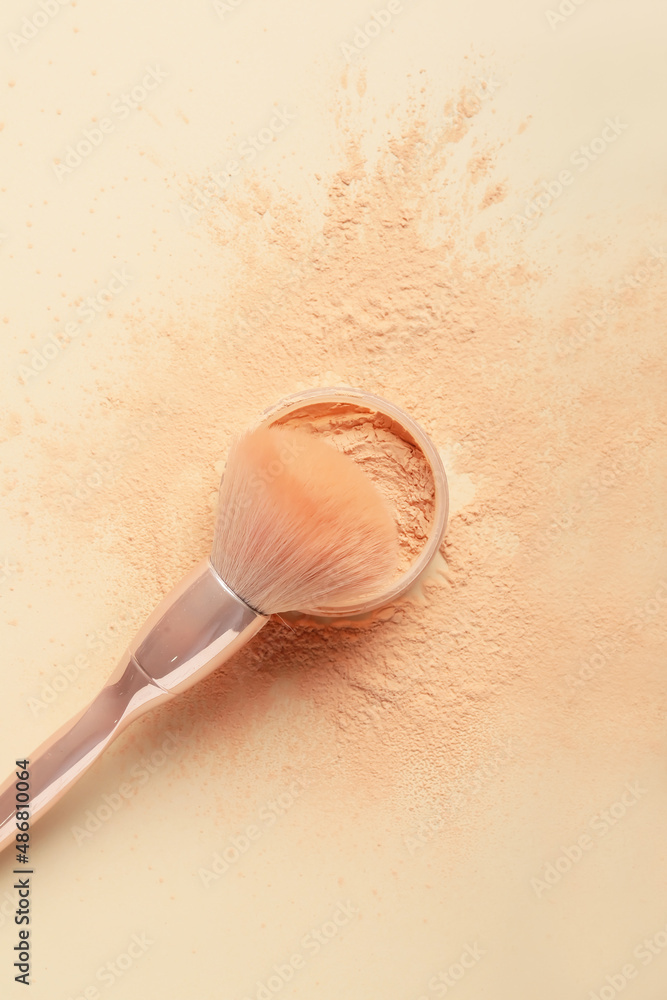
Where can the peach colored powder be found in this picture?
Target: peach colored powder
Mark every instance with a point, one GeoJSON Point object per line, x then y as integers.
{"type": "Point", "coordinates": [397, 467]}
{"type": "Point", "coordinates": [404, 289]}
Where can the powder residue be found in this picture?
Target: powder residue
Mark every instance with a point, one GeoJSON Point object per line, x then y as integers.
{"type": "Point", "coordinates": [397, 467]}
{"type": "Point", "coordinates": [401, 286]}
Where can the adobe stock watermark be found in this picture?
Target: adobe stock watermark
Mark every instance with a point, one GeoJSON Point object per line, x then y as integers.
{"type": "Point", "coordinates": [91, 307]}
{"type": "Point", "coordinates": [595, 322]}
{"type": "Point", "coordinates": [225, 7]}
{"type": "Point", "coordinates": [611, 644]}
{"type": "Point", "coordinates": [239, 845]}
{"type": "Point", "coordinates": [645, 952]}
{"type": "Point", "coordinates": [8, 569]}
{"type": "Point", "coordinates": [592, 489]}
{"type": "Point", "coordinates": [600, 825]}
{"type": "Point", "coordinates": [108, 974]}
{"type": "Point", "coordinates": [110, 803]}
{"type": "Point", "coordinates": [481, 90]}
{"type": "Point", "coordinates": [107, 472]}
{"type": "Point", "coordinates": [364, 34]}
{"type": "Point", "coordinates": [120, 110]}
{"type": "Point", "coordinates": [581, 158]}
{"type": "Point", "coordinates": [462, 792]}
{"type": "Point", "coordinates": [245, 151]}
{"type": "Point", "coordinates": [372, 710]}
{"type": "Point", "coordinates": [565, 10]}
{"type": "Point", "coordinates": [318, 250]}
{"type": "Point", "coordinates": [7, 908]}
{"type": "Point", "coordinates": [32, 24]}
{"type": "Point", "coordinates": [69, 672]}
{"type": "Point", "coordinates": [310, 945]}
{"type": "Point", "coordinates": [263, 310]}
{"type": "Point", "coordinates": [444, 982]}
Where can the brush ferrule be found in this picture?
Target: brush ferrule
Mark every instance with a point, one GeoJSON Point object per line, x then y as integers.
{"type": "Point", "coordinates": [193, 630]}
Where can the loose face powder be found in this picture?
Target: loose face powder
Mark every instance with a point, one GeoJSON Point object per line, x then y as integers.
{"type": "Point", "coordinates": [397, 466]}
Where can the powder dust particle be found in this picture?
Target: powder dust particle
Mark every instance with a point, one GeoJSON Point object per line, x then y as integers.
{"type": "Point", "coordinates": [400, 288]}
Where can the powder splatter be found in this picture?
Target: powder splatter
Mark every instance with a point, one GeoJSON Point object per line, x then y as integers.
{"type": "Point", "coordinates": [405, 287]}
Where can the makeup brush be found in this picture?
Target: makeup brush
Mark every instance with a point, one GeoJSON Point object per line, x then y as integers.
{"type": "Point", "coordinates": [299, 525]}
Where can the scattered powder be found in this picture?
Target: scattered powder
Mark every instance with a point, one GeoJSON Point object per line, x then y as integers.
{"type": "Point", "coordinates": [397, 467]}
{"type": "Point", "coordinates": [407, 289]}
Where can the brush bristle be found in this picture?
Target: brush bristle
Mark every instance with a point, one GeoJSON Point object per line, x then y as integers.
{"type": "Point", "coordinates": [299, 525]}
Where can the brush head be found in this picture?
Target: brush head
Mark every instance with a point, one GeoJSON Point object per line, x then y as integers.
{"type": "Point", "coordinates": [299, 525]}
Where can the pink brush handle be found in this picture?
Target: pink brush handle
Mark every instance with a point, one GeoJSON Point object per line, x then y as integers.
{"type": "Point", "coordinates": [198, 626]}
{"type": "Point", "coordinates": [68, 754]}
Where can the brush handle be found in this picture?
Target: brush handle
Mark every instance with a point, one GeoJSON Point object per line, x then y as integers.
{"type": "Point", "coordinates": [66, 756]}
{"type": "Point", "coordinates": [198, 626]}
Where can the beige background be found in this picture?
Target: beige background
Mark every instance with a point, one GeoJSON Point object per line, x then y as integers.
{"type": "Point", "coordinates": [435, 850]}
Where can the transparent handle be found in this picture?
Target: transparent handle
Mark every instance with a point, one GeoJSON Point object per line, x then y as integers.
{"type": "Point", "coordinates": [198, 626]}
{"type": "Point", "coordinates": [65, 756]}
